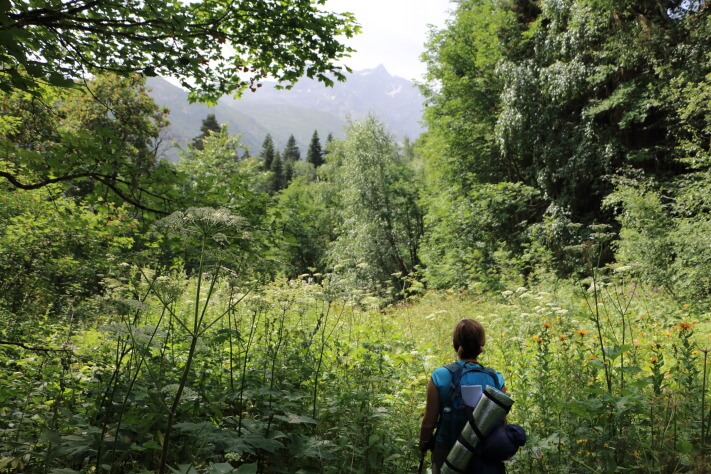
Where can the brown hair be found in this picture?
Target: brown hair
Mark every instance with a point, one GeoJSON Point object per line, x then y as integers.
{"type": "Point", "coordinates": [468, 338]}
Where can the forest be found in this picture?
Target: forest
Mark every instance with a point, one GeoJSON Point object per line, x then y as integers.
{"type": "Point", "coordinates": [281, 310]}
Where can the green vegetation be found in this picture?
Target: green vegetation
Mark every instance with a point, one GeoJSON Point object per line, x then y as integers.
{"type": "Point", "coordinates": [208, 45]}
{"type": "Point", "coordinates": [280, 313]}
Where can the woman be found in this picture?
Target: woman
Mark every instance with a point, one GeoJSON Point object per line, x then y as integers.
{"type": "Point", "coordinates": [468, 342]}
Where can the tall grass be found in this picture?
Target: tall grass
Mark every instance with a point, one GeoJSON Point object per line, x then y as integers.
{"type": "Point", "coordinates": [303, 377]}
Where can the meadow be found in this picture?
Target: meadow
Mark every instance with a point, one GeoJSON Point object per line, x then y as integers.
{"type": "Point", "coordinates": [201, 375]}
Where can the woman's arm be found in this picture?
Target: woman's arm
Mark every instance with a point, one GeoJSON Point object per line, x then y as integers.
{"type": "Point", "coordinates": [429, 421]}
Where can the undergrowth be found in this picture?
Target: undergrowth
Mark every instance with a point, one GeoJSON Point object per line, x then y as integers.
{"type": "Point", "coordinates": [305, 377]}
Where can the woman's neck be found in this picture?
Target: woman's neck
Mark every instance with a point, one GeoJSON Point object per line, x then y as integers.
{"type": "Point", "coordinates": [473, 361]}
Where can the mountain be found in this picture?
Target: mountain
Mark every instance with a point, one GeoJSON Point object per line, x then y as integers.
{"type": "Point", "coordinates": [308, 106]}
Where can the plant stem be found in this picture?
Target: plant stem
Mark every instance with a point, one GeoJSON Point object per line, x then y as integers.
{"type": "Point", "coordinates": [703, 401]}
{"type": "Point", "coordinates": [320, 360]}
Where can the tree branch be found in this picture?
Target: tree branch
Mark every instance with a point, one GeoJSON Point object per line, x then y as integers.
{"type": "Point", "coordinates": [41, 184]}
{"type": "Point", "coordinates": [105, 180]}
{"type": "Point", "coordinates": [34, 349]}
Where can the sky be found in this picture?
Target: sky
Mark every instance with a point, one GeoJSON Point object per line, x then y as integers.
{"type": "Point", "coordinates": [393, 32]}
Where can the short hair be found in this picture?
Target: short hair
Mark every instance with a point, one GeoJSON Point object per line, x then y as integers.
{"type": "Point", "coordinates": [468, 338]}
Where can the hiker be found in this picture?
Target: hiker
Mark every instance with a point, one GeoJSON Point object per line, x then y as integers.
{"type": "Point", "coordinates": [445, 413]}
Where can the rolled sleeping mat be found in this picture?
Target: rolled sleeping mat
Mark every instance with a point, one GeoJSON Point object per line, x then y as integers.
{"type": "Point", "coordinates": [488, 414]}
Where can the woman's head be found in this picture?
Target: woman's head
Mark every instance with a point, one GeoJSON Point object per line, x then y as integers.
{"type": "Point", "coordinates": [468, 339]}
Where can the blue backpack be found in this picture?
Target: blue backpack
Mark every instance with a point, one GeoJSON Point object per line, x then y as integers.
{"type": "Point", "coordinates": [453, 412]}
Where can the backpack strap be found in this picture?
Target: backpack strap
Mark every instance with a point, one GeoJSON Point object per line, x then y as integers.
{"type": "Point", "coordinates": [447, 398]}
{"type": "Point", "coordinates": [458, 372]}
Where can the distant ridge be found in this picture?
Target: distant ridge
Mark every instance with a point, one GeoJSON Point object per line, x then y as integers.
{"type": "Point", "coordinates": [308, 106]}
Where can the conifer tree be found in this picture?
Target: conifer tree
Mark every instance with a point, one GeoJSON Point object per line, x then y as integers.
{"type": "Point", "coordinates": [209, 125]}
{"type": "Point", "coordinates": [267, 153]}
{"type": "Point", "coordinates": [329, 139]}
{"type": "Point", "coordinates": [291, 155]}
{"type": "Point", "coordinates": [291, 151]}
{"type": "Point", "coordinates": [314, 155]}
{"type": "Point", "coordinates": [277, 178]}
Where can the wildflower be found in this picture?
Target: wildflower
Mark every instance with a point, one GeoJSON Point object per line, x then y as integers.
{"type": "Point", "coordinates": [563, 337]}
{"type": "Point", "coordinates": [537, 338]}
{"type": "Point", "coordinates": [547, 325]}
{"type": "Point", "coordinates": [685, 305]}
{"type": "Point", "coordinates": [581, 441]}
{"type": "Point", "coordinates": [581, 332]}
{"type": "Point", "coordinates": [591, 357]}
{"type": "Point", "coordinates": [685, 326]}
{"type": "Point", "coordinates": [653, 360]}
{"type": "Point", "coordinates": [667, 333]}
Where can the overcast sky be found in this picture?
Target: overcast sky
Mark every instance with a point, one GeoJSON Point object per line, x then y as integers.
{"type": "Point", "coordinates": [393, 32]}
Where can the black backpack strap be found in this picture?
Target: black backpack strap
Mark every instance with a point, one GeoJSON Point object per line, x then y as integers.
{"type": "Point", "coordinates": [456, 371]}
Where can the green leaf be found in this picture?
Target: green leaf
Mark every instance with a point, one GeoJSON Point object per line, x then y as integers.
{"type": "Point", "coordinates": [247, 469]}
{"type": "Point", "coordinates": [295, 419]}
{"type": "Point", "coordinates": [220, 468]}
{"type": "Point", "coordinates": [51, 436]}
{"type": "Point", "coordinates": [184, 469]}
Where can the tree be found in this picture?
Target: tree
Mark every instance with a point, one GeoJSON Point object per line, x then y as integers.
{"type": "Point", "coordinates": [314, 155]}
{"type": "Point", "coordinates": [211, 177]}
{"type": "Point", "coordinates": [267, 153]}
{"type": "Point", "coordinates": [209, 125]}
{"type": "Point", "coordinates": [214, 47]}
{"type": "Point", "coordinates": [327, 145]}
{"type": "Point", "coordinates": [291, 150]}
{"type": "Point", "coordinates": [103, 140]}
{"type": "Point", "coordinates": [382, 221]}
{"type": "Point", "coordinates": [278, 180]}
{"type": "Point", "coordinates": [55, 252]}
{"type": "Point", "coordinates": [291, 155]}
{"type": "Point", "coordinates": [525, 93]}
{"type": "Point", "coordinates": [408, 149]}
{"type": "Point", "coordinates": [305, 219]}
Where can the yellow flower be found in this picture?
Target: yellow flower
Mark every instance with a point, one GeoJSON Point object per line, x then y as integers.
{"type": "Point", "coordinates": [537, 338]}
{"type": "Point", "coordinates": [581, 332]}
{"type": "Point", "coordinates": [686, 326]}
{"type": "Point", "coordinates": [547, 325]}
{"type": "Point", "coordinates": [563, 337]}
{"type": "Point", "coordinates": [653, 360]}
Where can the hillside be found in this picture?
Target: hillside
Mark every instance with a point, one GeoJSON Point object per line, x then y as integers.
{"type": "Point", "coordinates": [308, 106]}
